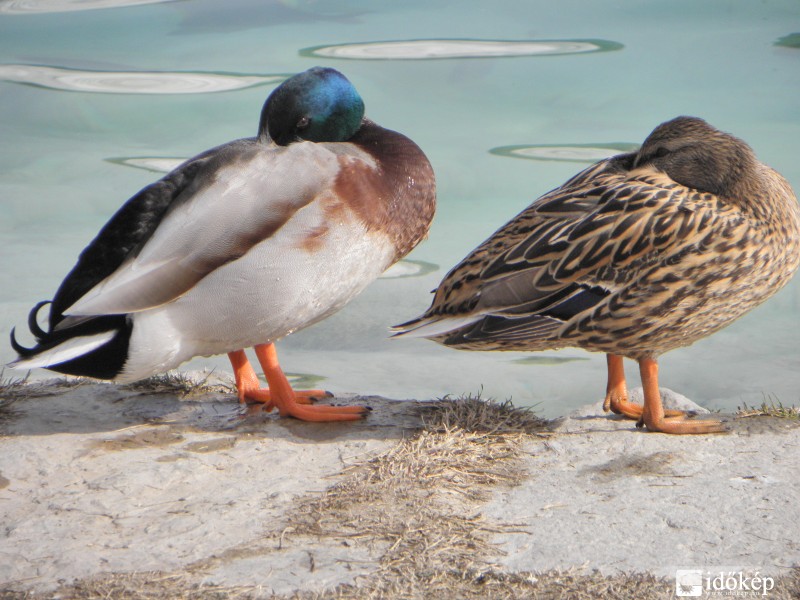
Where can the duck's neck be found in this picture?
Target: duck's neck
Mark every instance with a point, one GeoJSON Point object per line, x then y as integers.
{"type": "Point", "coordinates": [772, 200]}
{"type": "Point", "coordinates": [408, 200]}
{"type": "Point", "coordinates": [781, 226]}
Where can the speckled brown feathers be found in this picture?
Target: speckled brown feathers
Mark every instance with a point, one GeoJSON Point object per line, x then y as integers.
{"type": "Point", "coordinates": [634, 256]}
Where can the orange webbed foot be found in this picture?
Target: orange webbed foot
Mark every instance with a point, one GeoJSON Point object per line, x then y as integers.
{"type": "Point", "coordinates": [249, 387]}
{"type": "Point", "coordinates": [656, 419]}
{"type": "Point", "coordinates": [280, 395]}
{"type": "Point", "coordinates": [264, 396]}
{"type": "Point", "coordinates": [683, 425]}
{"type": "Point", "coordinates": [632, 410]}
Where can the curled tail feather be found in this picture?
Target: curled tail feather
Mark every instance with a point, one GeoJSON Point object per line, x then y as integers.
{"type": "Point", "coordinates": [95, 347]}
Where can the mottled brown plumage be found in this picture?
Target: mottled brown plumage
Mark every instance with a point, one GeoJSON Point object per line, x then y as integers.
{"type": "Point", "coordinates": [635, 256]}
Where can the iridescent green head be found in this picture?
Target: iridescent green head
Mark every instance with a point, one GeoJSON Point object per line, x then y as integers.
{"type": "Point", "coordinates": [318, 105]}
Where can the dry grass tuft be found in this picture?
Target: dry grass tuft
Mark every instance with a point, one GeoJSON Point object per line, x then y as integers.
{"type": "Point", "coordinates": [419, 500]}
{"type": "Point", "coordinates": [10, 392]}
{"type": "Point", "coordinates": [152, 585]}
{"type": "Point", "coordinates": [494, 585]}
{"type": "Point", "coordinates": [473, 414]}
{"type": "Point", "coordinates": [486, 585]}
{"type": "Point", "coordinates": [769, 410]}
{"type": "Point", "coordinates": [548, 585]}
{"type": "Point", "coordinates": [19, 388]}
{"type": "Point", "coordinates": [10, 384]}
{"type": "Point", "coordinates": [14, 389]}
{"type": "Point", "coordinates": [180, 384]}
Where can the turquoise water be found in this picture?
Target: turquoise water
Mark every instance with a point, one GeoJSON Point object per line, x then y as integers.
{"type": "Point", "coordinates": [90, 97]}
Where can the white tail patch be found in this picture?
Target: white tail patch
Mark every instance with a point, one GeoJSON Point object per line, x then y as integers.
{"type": "Point", "coordinates": [434, 327]}
{"type": "Point", "coordinates": [70, 349]}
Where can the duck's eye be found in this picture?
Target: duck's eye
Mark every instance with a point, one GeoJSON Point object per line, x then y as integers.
{"type": "Point", "coordinates": [303, 122]}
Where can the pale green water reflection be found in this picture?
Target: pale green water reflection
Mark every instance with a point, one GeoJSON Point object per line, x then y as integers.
{"type": "Point", "coordinates": [460, 79]}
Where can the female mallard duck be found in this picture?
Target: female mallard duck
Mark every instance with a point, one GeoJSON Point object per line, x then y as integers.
{"type": "Point", "coordinates": [638, 254]}
{"type": "Point", "coordinates": [243, 245]}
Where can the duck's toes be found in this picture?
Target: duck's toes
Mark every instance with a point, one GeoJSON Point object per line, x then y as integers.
{"type": "Point", "coordinates": [683, 425]}
{"type": "Point", "coordinates": [631, 410]}
{"type": "Point", "coordinates": [621, 406]}
{"type": "Point", "coordinates": [300, 406]}
{"type": "Point", "coordinates": [310, 396]}
{"type": "Point", "coordinates": [325, 413]}
{"type": "Point", "coordinates": [300, 396]}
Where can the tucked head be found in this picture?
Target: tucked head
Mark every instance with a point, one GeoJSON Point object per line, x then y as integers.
{"type": "Point", "coordinates": [697, 155]}
{"type": "Point", "coordinates": [318, 105]}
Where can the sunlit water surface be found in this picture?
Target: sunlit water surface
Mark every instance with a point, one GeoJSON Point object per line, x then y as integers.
{"type": "Point", "coordinates": [507, 99]}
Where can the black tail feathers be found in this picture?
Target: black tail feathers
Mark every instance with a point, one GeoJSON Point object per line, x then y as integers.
{"type": "Point", "coordinates": [33, 326]}
{"type": "Point", "coordinates": [104, 362]}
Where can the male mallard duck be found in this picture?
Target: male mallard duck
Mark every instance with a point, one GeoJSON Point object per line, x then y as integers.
{"type": "Point", "coordinates": [243, 245]}
{"type": "Point", "coordinates": [636, 255]}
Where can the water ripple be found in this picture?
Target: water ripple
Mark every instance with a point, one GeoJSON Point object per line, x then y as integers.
{"type": "Point", "coordinates": [444, 48]}
{"type": "Point", "coordinates": [132, 82]}
{"type": "Point", "coordinates": [409, 268]}
{"type": "Point", "coordinates": [566, 152]}
{"type": "Point", "coordinates": [24, 7]}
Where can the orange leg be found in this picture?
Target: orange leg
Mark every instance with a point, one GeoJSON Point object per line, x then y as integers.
{"type": "Point", "coordinates": [653, 413]}
{"type": "Point", "coordinates": [283, 397]}
{"type": "Point", "coordinates": [617, 393]}
{"type": "Point", "coordinates": [247, 383]}
{"type": "Point", "coordinates": [249, 387]}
